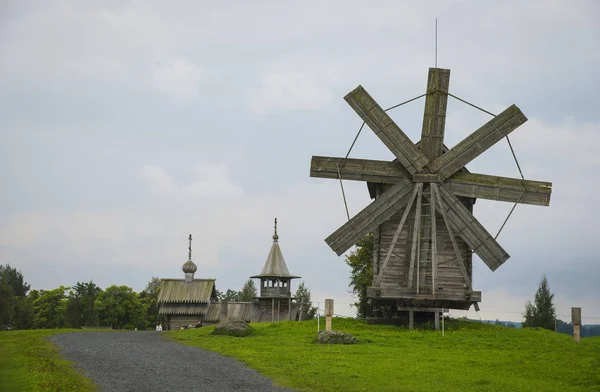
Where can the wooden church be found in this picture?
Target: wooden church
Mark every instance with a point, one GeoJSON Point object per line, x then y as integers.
{"type": "Point", "coordinates": [422, 215]}
{"type": "Point", "coordinates": [188, 301]}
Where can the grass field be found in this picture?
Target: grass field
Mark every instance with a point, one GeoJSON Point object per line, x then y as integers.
{"type": "Point", "coordinates": [29, 363]}
{"type": "Point", "coordinates": [471, 357]}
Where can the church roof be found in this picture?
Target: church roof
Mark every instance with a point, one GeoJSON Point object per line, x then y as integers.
{"type": "Point", "coordinates": [275, 266]}
{"type": "Point", "coordinates": [197, 291]}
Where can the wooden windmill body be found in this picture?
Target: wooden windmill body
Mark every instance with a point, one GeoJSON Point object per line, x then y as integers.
{"type": "Point", "coordinates": [421, 218]}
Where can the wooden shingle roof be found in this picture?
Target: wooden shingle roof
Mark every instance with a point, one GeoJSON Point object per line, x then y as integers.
{"type": "Point", "coordinates": [197, 291]}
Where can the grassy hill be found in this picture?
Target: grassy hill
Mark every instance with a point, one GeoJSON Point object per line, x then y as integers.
{"type": "Point", "coordinates": [470, 357]}
{"type": "Point", "coordinates": [28, 362]}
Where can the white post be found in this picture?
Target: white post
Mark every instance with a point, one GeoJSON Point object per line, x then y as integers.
{"type": "Point", "coordinates": [442, 321]}
{"type": "Point", "coordinates": [328, 313]}
{"type": "Point", "coordinates": [318, 319]}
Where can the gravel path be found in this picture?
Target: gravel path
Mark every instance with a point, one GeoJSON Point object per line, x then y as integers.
{"type": "Point", "coordinates": [144, 361]}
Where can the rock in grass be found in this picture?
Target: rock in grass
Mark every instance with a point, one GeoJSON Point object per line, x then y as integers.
{"type": "Point", "coordinates": [233, 327]}
{"type": "Point", "coordinates": [336, 337]}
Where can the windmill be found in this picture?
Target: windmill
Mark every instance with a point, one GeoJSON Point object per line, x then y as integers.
{"type": "Point", "coordinates": [421, 218]}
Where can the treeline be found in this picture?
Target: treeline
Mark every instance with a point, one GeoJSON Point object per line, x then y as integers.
{"type": "Point", "coordinates": [87, 305]}
{"type": "Point", "coordinates": [81, 305]}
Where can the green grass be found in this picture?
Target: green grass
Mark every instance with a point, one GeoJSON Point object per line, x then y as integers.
{"type": "Point", "coordinates": [471, 357]}
{"type": "Point", "coordinates": [28, 362]}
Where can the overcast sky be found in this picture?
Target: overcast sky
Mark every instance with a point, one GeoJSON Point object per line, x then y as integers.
{"type": "Point", "coordinates": [127, 125]}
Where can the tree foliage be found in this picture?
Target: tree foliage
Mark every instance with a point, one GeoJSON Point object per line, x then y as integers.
{"type": "Point", "coordinates": [361, 274]}
{"type": "Point", "coordinates": [15, 309]}
{"type": "Point", "coordinates": [120, 307]}
{"type": "Point", "coordinates": [303, 298]}
{"type": "Point", "coordinates": [248, 292]}
{"type": "Point", "coordinates": [541, 313]}
{"type": "Point", "coordinates": [81, 305]}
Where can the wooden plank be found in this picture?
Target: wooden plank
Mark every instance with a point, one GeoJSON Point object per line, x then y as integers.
{"type": "Point", "coordinates": [473, 185]}
{"type": "Point", "coordinates": [370, 217]}
{"type": "Point", "coordinates": [358, 169]}
{"type": "Point", "coordinates": [479, 141]}
{"type": "Point", "coordinates": [433, 241]}
{"type": "Point", "coordinates": [461, 263]}
{"type": "Point", "coordinates": [415, 239]}
{"type": "Point", "coordinates": [386, 130]}
{"type": "Point", "coordinates": [396, 235]}
{"type": "Point", "coordinates": [434, 116]}
{"type": "Point", "coordinates": [471, 231]}
{"type": "Point", "coordinates": [406, 293]}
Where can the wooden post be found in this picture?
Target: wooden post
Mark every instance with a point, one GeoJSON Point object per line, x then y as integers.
{"type": "Point", "coordinates": [290, 308]}
{"type": "Point", "coordinates": [437, 320]}
{"type": "Point", "coordinates": [576, 321]}
{"type": "Point", "coordinates": [300, 310]}
{"type": "Point", "coordinates": [328, 313]}
{"type": "Point", "coordinates": [272, 310]}
{"type": "Point", "coordinates": [278, 309]}
{"type": "Point", "coordinates": [411, 319]}
{"type": "Point", "coordinates": [223, 310]}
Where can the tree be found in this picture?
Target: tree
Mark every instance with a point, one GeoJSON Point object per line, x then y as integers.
{"type": "Point", "coordinates": [49, 307]}
{"type": "Point", "coordinates": [149, 300]}
{"type": "Point", "coordinates": [120, 307]}
{"type": "Point", "coordinates": [229, 296]}
{"type": "Point", "coordinates": [542, 312]}
{"type": "Point", "coordinates": [248, 292]}
{"type": "Point", "coordinates": [14, 279]}
{"type": "Point", "coordinates": [81, 308]}
{"type": "Point", "coordinates": [15, 310]}
{"type": "Point", "coordinates": [361, 275]}
{"type": "Point", "coordinates": [303, 298]}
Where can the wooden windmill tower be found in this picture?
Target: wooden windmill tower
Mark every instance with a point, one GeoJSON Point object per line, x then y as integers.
{"type": "Point", "coordinates": [424, 229]}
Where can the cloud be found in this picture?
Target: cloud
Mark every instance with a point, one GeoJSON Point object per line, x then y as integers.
{"type": "Point", "coordinates": [289, 91]}
{"type": "Point", "coordinates": [178, 78]}
{"type": "Point", "coordinates": [207, 180]}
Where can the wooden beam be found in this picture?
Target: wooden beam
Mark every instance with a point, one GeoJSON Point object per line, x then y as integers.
{"type": "Point", "coordinates": [473, 185]}
{"type": "Point", "coordinates": [370, 217]}
{"type": "Point", "coordinates": [414, 252]}
{"type": "Point", "coordinates": [461, 263]}
{"type": "Point", "coordinates": [487, 187]}
{"type": "Point", "coordinates": [396, 236]}
{"type": "Point", "coordinates": [406, 293]}
{"type": "Point", "coordinates": [469, 228]}
{"type": "Point", "coordinates": [386, 130]}
{"type": "Point", "coordinates": [434, 117]}
{"type": "Point", "coordinates": [478, 142]}
{"type": "Point", "coordinates": [433, 240]}
{"type": "Point", "coordinates": [382, 172]}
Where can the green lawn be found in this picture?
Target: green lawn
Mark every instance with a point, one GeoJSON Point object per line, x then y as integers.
{"type": "Point", "coordinates": [30, 363]}
{"type": "Point", "coordinates": [471, 357]}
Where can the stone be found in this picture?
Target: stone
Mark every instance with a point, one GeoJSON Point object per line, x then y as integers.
{"type": "Point", "coordinates": [233, 327]}
{"type": "Point", "coordinates": [336, 337]}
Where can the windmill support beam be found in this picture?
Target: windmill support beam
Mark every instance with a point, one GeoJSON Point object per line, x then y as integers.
{"type": "Point", "coordinates": [396, 235]}
{"type": "Point", "coordinates": [480, 186]}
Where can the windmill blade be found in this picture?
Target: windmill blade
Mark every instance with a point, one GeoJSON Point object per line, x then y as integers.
{"type": "Point", "coordinates": [386, 130]}
{"type": "Point", "coordinates": [474, 185]}
{"type": "Point", "coordinates": [513, 190]}
{"type": "Point", "coordinates": [383, 172]}
{"type": "Point", "coordinates": [371, 216]}
{"type": "Point", "coordinates": [434, 116]}
{"type": "Point", "coordinates": [479, 141]}
{"type": "Point", "coordinates": [475, 235]}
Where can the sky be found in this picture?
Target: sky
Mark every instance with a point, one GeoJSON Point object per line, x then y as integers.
{"type": "Point", "coordinates": [127, 125]}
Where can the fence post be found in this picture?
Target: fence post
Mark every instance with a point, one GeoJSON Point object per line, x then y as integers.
{"type": "Point", "coordinates": [576, 321]}
{"type": "Point", "coordinates": [328, 313]}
